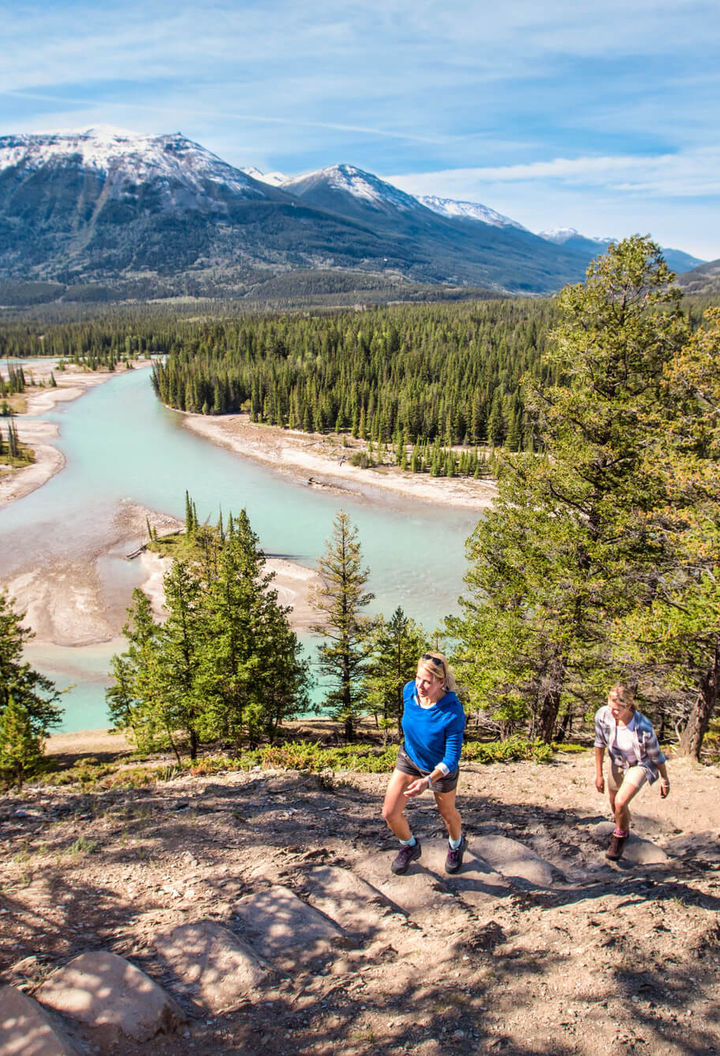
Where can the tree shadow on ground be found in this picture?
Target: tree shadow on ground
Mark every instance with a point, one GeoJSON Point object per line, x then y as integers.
{"type": "Point", "coordinates": [98, 870]}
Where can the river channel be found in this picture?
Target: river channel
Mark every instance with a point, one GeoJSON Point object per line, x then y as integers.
{"type": "Point", "coordinates": [120, 444]}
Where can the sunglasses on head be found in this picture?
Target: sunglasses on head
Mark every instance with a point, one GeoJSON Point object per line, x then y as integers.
{"type": "Point", "coordinates": [433, 660]}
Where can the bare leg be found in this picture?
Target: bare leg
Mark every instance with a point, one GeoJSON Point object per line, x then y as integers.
{"type": "Point", "coordinates": [619, 803]}
{"type": "Point", "coordinates": [395, 802]}
{"type": "Point", "coordinates": [449, 813]}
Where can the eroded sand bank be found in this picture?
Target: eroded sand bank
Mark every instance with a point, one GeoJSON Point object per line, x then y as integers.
{"type": "Point", "coordinates": [323, 461]}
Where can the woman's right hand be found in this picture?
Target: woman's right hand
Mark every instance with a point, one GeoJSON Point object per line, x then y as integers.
{"type": "Point", "coordinates": [600, 783]}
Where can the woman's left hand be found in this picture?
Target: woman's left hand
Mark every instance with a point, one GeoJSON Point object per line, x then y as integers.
{"type": "Point", "coordinates": [416, 787]}
{"type": "Point", "coordinates": [664, 789]}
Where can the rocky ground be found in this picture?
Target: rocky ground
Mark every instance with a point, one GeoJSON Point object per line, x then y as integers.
{"type": "Point", "coordinates": [297, 939]}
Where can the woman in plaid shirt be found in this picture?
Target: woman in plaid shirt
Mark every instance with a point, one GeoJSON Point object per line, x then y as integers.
{"type": "Point", "coordinates": [635, 757]}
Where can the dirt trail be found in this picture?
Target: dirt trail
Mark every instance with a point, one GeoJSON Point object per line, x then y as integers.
{"type": "Point", "coordinates": [539, 945]}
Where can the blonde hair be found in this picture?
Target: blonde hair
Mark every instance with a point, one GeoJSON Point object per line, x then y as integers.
{"type": "Point", "coordinates": [436, 665]}
{"type": "Point", "coordinates": [624, 695]}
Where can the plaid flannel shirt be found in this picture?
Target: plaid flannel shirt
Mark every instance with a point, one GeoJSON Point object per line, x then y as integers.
{"type": "Point", "coordinates": [647, 747]}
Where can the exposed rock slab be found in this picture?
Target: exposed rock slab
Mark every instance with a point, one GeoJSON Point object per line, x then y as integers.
{"type": "Point", "coordinates": [643, 852]}
{"type": "Point", "coordinates": [104, 990]}
{"type": "Point", "coordinates": [351, 902]}
{"type": "Point", "coordinates": [286, 930]}
{"type": "Point", "coordinates": [477, 884]}
{"type": "Point", "coordinates": [514, 860]}
{"type": "Point", "coordinates": [426, 889]}
{"type": "Point", "coordinates": [415, 892]}
{"type": "Point", "coordinates": [26, 1029]}
{"type": "Point", "coordinates": [217, 968]}
{"type": "Point", "coordinates": [637, 851]}
{"type": "Point", "coordinates": [699, 846]}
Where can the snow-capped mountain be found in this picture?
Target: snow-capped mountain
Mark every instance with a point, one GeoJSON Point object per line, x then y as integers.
{"type": "Point", "coordinates": [561, 235]}
{"type": "Point", "coordinates": [275, 179]}
{"type": "Point", "coordinates": [107, 150]}
{"type": "Point", "coordinates": [104, 204]}
{"type": "Point", "coordinates": [338, 182]}
{"type": "Point", "coordinates": [571, 239]}
{"type": "Point", "coordinates": [467, 211]}
{"type": "Point", "coordinates": [111, 207]}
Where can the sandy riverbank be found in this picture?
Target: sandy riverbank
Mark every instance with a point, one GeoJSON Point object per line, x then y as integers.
{"type": "Point", "coordinates": [323, 462]}
{"type": "Point", "coordinates": [70, 603]}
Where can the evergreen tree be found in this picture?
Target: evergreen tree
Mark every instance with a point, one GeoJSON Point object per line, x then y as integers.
{"type": "Point", "coordinates": [339, 600]}
{"type": "Point", "coordinates": [252, 676]}
{"type": "Point", "coordinates": [394, 648]}
{"type": "Point", "coordinates": [31, 691]}
{"type": "Point", "coordinates": [675, 640]}
{"type": "Point", "coordinates": [21, 747]}
{"type": "Point", "coordinates": [136, 701]}
{"type": "Point", "coordinates": [567, 547]}
{"type": "Point", "coordinates": [191, 518]}
{"type": "Point", "coordinates": [225, 662]}
{"type": "Point", "coordinates": [180, 643]}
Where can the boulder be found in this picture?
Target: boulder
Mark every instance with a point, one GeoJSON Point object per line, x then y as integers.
{"type": "Point", "coordinates": [26, 1029]}
{"type": "Point", "coordinates": [104, 990]}
{"type": "Point", "coordinates": [219, 970]}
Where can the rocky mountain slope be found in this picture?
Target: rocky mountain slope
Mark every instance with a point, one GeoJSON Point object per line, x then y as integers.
{"type": "Point", "coordinates": [703, 280]}
{"type": "Point", "coordinates": [262, 910]}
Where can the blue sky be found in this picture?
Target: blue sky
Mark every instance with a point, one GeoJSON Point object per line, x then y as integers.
{"type": "Point", "coordinates": [570, 113]}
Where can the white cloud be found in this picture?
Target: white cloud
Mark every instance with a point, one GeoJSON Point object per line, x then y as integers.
{"type": "Point", "coordinates": [67, 43]}
{"type": "Point", "coordinates": [666, 196]}
{"type": "Point", "coordinates": [690, 174]}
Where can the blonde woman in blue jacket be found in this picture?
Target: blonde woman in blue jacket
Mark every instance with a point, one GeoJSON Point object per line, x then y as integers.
{"type": "Point", "coordinates": [433, 723]}
{"type": "Point", "coordinates": [635, 758]}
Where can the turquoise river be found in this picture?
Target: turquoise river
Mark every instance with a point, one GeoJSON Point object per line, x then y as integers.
{"type": "Point", "coordinates": [120, 444]}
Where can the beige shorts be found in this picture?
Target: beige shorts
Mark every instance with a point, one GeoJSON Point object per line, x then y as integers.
{"type": "Point", "coordinates": [634, 775]}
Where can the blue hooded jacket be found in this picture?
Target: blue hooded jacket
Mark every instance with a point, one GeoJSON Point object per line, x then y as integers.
{"type": "Point", "coordinates": [433, 736]}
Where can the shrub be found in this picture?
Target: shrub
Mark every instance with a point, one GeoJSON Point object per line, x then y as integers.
{"type": "Point", "coordinates": [512, 749]}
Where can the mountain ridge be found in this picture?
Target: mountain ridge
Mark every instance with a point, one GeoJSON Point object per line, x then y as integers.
{"type": "Point", "coordinates": [111, 207]}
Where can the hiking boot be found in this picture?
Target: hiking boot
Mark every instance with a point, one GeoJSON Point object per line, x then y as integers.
{"type": "Point", "coordinates": [454, 858]}
{"type": "Point", "coordinates": [405, 856]}
{"type": "Point", "coordinates": [617, 845]}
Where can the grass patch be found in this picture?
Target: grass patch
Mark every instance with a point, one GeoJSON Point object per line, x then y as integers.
{"type": "Point", "coordinates": [570, 749]}
{"type": "Point", "coordinates": [512, 749]}
{"type": "Point", "coordinates": [178, 545]}
{"type": "Point", "coordinates": [81, 846]}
